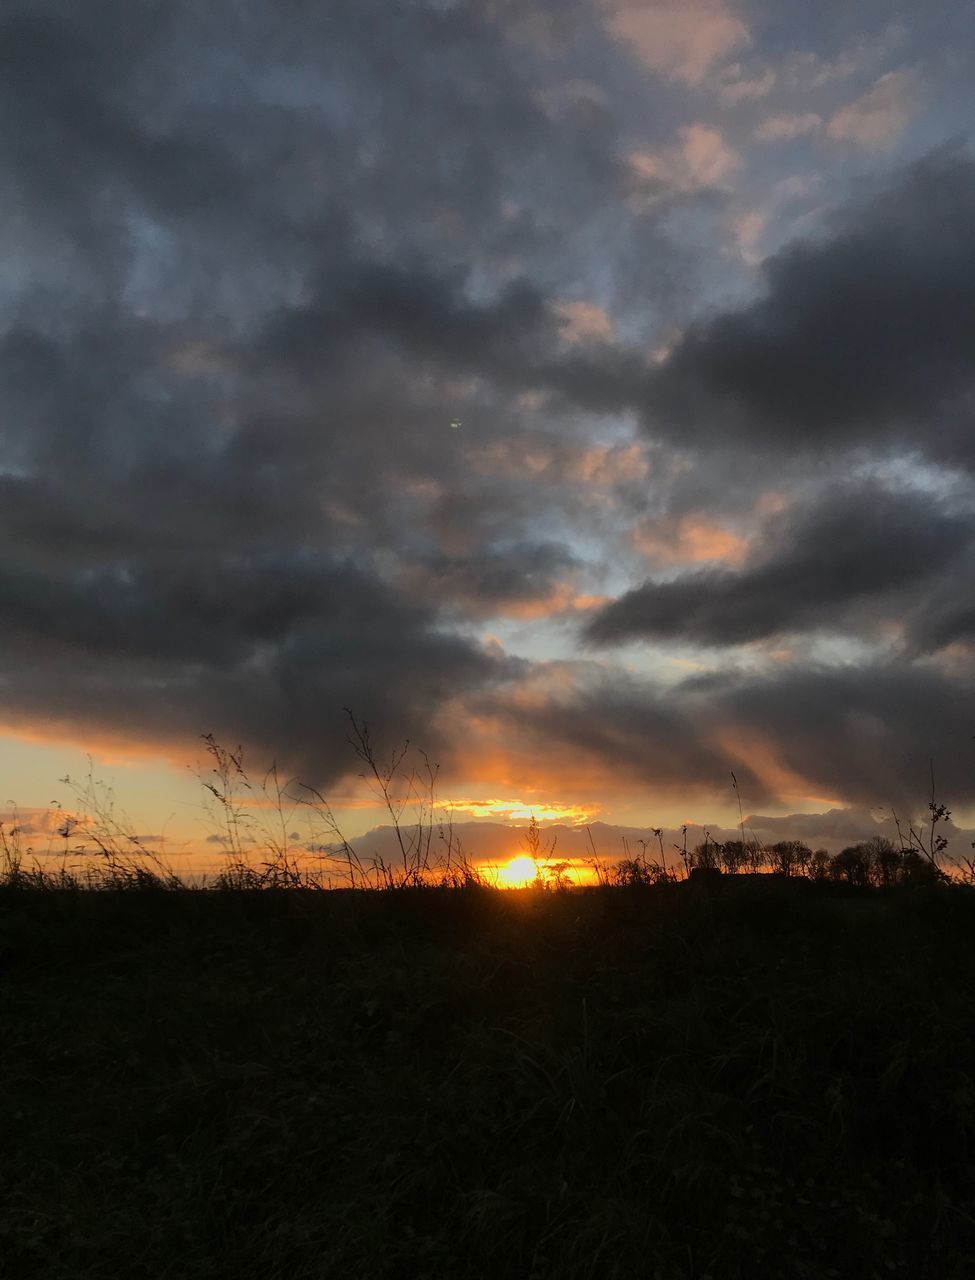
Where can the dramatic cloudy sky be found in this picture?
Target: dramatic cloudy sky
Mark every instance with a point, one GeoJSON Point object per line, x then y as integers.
{"type": "Point", "coordinates": [698, 279]}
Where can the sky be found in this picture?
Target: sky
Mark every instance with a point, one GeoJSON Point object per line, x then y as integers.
{"type": "Point", "coordinates": [695, 278]}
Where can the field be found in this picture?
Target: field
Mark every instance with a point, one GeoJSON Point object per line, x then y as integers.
{"type": "Point", "coordinates": [760, 1077]}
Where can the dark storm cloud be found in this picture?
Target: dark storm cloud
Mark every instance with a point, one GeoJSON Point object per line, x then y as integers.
{"type": "Point", "coordinates": [428, 317]}
{"type": "Point", "coordinates": [862, 733]}
{"type": "Point", "coordinates": [947, 614]}
{"type": "Point", "coordinates": [267, 653]}
{"type": "Point", "coordinates": [866, 335]}
{"type": "Point", "coordinates": [855, 548]}
{"type": "Point", "coordinates": [262, 257]}
{"type": "Point", "coordinates": [868, 734]}
{"type": "Point", "coordinates": [196, 613]}
{"type": "Point", "coordinates": [425, 315]}
{"type": "Point", "coordinates": [63, 84]}
{"type": "Point", "coordinates": [613, 722]}
{"type": "Point", "coordinates": [494, 580]}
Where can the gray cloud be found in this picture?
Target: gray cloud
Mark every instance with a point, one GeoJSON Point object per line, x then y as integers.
{"type": "Point", "coordinates": [267, 654]}
{"type": "Point", "coordinates": [866, 335]}
{"type": "Point", "coordinates": [497, 579]}
{"type": "Point", "coordinates": [855, 549]}
{"type": "Point", "coordinates": [866, 733]}
{"type": "Point", "coordinates": [426, 316]}
{"type": "Point", "coordinates": [947, 614]}
{"type": "Point", "coordinates": [211, 430]}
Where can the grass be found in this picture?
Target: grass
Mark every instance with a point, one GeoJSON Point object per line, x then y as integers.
{"type": "Point", "coordinates": [752, 1079]}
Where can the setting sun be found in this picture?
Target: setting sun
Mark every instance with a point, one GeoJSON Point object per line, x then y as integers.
{"type": "Point", "coordinates": [518, 872]}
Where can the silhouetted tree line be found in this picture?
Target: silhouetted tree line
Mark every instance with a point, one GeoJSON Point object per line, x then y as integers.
{"type": "Point", "coordinates": [877, 862]}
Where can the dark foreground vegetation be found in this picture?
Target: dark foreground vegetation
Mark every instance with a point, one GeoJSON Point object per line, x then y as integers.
{"type": "Point", "coordinates": [753, 1077]}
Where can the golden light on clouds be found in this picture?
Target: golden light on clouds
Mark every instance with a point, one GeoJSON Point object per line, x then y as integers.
{"type": "Point", "coordinates": [603, 466]}
{"type": "Point", "coordinates": [753, 751]}
{"type": "Point", "coordinates": [695, 540]}
{"type": "Point", "coordinates": [521, 811]}
{"type": "Point", "coordinates": [562, 599]}
{"type": "Point", "coordinates": [681, 39]}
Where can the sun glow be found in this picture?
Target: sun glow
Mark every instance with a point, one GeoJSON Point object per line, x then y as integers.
{"type": "Point", "coordinates": [518, 872]}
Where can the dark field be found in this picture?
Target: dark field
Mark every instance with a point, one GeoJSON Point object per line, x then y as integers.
{"type": "Point", "coordinates": [760, 1079]}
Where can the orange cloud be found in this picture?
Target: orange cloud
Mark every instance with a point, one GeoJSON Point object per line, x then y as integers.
{"type": "Point", "coordinates": [605, 465]}
{"type": "Point", "coordinates": [707, 157]}
{"type": "Point", "coordinates": [563, 599]}
{"type": "Point", "coordinates": [877, 119]}
{"type": "Point", "coordinates": [20, 824]}
{"type": "Point", "coordinates": [700, 158]}
{"type": "Point", "coordinates": [583, 321]}
{"type": "Point", "coordinates": [694, 541]}
{"type": "Point", "coordinates": [589, 467]}
{"type": "Point", "coordinates": [680, 39]}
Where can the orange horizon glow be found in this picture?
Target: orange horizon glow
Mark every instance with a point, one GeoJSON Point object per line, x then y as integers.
{"type": "Point", "coordinates": [113, 749]}
{"type": "Point", "coordinates": [494, 780]}
{"type": "Point", "coordinates": [522, 871]}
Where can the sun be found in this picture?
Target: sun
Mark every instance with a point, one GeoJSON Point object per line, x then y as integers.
{"type": "Point", "coordinates": [518, 872]}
